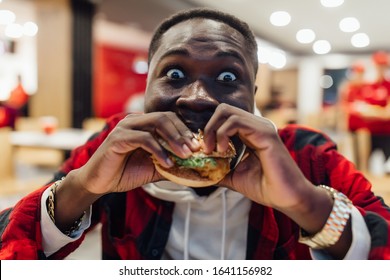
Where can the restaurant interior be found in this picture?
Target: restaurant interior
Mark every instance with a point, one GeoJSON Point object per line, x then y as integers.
{"type": "Point", "coordinates": [73, 63]}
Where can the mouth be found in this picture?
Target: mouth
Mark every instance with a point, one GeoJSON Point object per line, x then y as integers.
{"type": "Point", "coordinates": [194, 126]}
{"type": "Point", "coordinates": [195, 121]}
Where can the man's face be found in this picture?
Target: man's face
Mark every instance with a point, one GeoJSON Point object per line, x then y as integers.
{"type": "Point", "coordinates": [199, 65]}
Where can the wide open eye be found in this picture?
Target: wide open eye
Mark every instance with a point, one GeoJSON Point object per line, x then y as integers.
{"type": "Point", "coordinates": [175, 74]}
{"type": "Point", "coordinates": [226, 77]}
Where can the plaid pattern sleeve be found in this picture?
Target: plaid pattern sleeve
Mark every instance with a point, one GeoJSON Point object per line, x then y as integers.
{"type": "Point", "coordinates": [20, 233]}
{"type": "Point", "coordinates": [317, 157]}
{"type": "Point", "coordinates": [136, 225]}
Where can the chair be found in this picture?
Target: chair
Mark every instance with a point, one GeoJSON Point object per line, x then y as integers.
{"type": "Point", "coordinates": [43, 157]}
{"type": "Point", "coordinates": [94, 124]}
{"type": "Point", "coordinates": [27, 124]}
{"type": "Point", "coordinates": [6, 159]}
{"type": "Point", "coordinates": [363, 148]}
{"type": "Point", "coordinates": [10, 182]}
{"type": "Point", "coordinates": [356, 147]}
{"type": "Point", "coordinates": [346, 145]}
{"type": "Point", "coordinates": [312, 120]}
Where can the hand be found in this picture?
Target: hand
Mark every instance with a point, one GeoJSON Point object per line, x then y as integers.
{"type": "Point", "coordinates": [267, 174]}
{"type": "Point", "coordinates": [123, 161]}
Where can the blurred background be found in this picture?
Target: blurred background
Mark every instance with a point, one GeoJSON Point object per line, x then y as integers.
{"type": "Point", "coordinates": [66, 65]}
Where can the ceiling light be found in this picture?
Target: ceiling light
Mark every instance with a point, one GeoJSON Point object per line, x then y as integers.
{"type": "Point", "coordinates": [349, 24]}
{"type": "Point", "coordinates": [305, 36]}
{"type": "Point", "coordinates": [14, 30]}
{"type": "Point", "coordinates": [280, 18]}
{"type": "Point", "coordinates": [30, 29]}
{"type": "Point", "coordinates": [7, 17]}
{"type": "Point", "coordinates": [140, 65]}
{"type": "Point", "coordinates": [332, 3]}
{"type": "Point", "coordinates": [321, 47]}
{"type": "Point", "coordinates": [360, 40]}
{"type": "Point", "coordinates": [263, 55]}
{"type": "Point", "coordinates": [277, 59]}
{"type": "Point", "coordinates": [326, 81]}
{"type": "Point", "coordinates": [5, 90]}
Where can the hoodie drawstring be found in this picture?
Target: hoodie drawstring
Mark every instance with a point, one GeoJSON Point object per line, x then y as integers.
{"type": "Point", "coordinates": [223, 224]}
{"type": "Point", "coordinates": [187, 227]}
{"type": "Point", "coordinates": [187, 231]}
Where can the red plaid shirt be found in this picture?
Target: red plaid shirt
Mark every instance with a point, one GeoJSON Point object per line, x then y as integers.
{"type": "Point", "coordinates": [136, 225]}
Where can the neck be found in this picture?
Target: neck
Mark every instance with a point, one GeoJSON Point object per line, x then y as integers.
{"type": "Point", "coordinates": [204, 191]}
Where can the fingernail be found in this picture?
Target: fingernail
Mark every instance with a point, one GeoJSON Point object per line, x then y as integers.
{"type": "Point", "coordinates": [169, 162]}
{"type": "Point", "coordinates": [195, 142]}
{"type": "Point", "coordinates": [187, 152]}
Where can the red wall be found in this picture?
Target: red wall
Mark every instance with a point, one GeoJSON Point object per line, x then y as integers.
{"type": "Point", "coordinates": [114, 79]}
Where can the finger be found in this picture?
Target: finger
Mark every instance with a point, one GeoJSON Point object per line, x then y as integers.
{"type": "Point", "coordinates": [128, 142]}
{"type": "Point", "coordinates": [178, 135]}
{"type": "Point", "coordinates": [168, 127]}
{"type": "Point", "coordinates": [218, 118]}
{"type": "Point", "coordinates": [215, 139]}
{"type": "Point", "coordinates": [253, 131]}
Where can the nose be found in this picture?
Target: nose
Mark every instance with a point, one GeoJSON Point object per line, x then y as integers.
{"type": "Point", "coordinates": [196, 104]}
{"type": "Point", "coordinates": [197, 96]}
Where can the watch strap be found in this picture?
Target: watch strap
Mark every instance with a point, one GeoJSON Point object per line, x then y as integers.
{"type": "Point", "coordinates": [334, 226]}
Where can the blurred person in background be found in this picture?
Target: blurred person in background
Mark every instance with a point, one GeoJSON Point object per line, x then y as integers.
{"type": "Point", "coordinates": [369, 107]}
{"type": "Point", "coordinates": [289, 193]}
{"type": "Point", "coordinates": [377, 97]}
{"type": "Point", "coordinates": [14, 106]}
{"type": "Point", "coordinates": [18, 97]}
{"type": "Point", "coordinates": [350, 97]}
{"type": "Point", "coordinates": [8, 115]}
{"type": "Point", "coordinates": [366, 106]}
{"type": "Point", "coordinates": [351, 125]}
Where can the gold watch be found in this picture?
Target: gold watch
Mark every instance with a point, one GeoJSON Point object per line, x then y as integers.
{"type": "Point", "coordinates": [335, 224]}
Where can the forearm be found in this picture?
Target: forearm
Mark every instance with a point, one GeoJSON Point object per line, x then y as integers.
{"type": "Point", "coordinates": [71, 200]}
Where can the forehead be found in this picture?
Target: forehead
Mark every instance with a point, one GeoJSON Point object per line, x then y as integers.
{"type": "Point", "coordinates": [197, 35]}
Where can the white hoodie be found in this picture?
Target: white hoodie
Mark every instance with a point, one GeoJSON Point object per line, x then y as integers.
{"type": "Point", "coordinates": [204, 227]}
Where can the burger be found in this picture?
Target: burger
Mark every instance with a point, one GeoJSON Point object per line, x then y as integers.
{"type": "Point", "coordinates": [200, 169]}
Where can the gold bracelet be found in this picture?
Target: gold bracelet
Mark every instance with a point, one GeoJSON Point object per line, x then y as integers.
{"type": "Point", "coordinates": [334, 226]}
{"type": "Point", "coordinates": [50, 204]}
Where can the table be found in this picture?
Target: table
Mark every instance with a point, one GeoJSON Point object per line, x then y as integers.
{"type": "Point", "coordinates": [62, 139]}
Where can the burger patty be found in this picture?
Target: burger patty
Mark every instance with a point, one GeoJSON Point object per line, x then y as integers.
{"type": "Point", "coordinates": [206, 167]}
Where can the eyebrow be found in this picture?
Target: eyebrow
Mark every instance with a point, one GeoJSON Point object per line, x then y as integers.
{"type": "Point", "coordinates": [224, 53]}
{"type": "Point", "coordinates": [231, 53]}
{"type": "Point", "coordinates": [178, 51]}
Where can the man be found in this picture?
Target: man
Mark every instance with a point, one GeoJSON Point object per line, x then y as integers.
{"type": "Point", "coordinates": [272, 205]}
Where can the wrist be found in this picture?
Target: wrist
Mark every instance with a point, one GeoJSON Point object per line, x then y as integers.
{"type": "Point", "coordinates": [313, 209]}
{"type": "Point", "coordinates": [51, 206]}
{"type": "Point", "coordinates": [71, 201]}
{"type": "Point", "coordinates": [335, 224]}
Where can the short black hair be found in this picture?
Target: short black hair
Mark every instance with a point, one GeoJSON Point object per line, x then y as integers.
{"type": "Point", "coordinates": [206, 13]}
